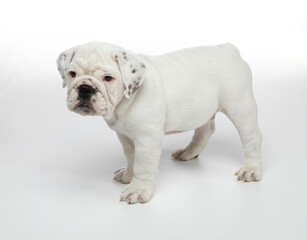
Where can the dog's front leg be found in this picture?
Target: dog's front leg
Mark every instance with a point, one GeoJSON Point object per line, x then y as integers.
{"type": "Point", "coordinates": [124, 175]}
{"type": "Point", "coordinates": [145, 168]}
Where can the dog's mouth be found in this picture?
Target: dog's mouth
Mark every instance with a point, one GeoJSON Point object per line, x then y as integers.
{"type": "Point", "coordinates": [84, 107]}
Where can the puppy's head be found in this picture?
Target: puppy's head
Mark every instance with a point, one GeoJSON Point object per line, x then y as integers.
{"type": "Point", "coordinates": [97, 76]}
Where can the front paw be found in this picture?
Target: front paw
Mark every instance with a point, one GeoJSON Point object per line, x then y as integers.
{"type": "Point", "coordinates": [137, 192]}
{"type": "Point", "coordinates": [123, 176]}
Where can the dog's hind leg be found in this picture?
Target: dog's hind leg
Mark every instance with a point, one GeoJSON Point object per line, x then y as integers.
{"type": "Point", "coordinates": [243, 114]}
{"type": "Point", "coordinates": [198, 143]}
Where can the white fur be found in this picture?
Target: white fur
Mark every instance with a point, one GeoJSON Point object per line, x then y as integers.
{"type": "Point", "coordinates": [175, 92]}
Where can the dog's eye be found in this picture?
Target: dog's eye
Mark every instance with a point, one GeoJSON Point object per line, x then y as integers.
{"type": "Point", "coordinates": [108, 78]}
{"type": "Point", "coordinates": [72, 74]}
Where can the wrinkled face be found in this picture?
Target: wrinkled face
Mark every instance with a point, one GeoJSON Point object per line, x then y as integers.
{"type": "Point", "coordinates": [89, 96]}
{"type": "Point", "coordinates": [92, 85]}
{"type": "Point", "coordinates": [97, 76]}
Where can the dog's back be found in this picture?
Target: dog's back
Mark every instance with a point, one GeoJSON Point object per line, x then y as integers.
{"type": "Point", "coordinates": [193, 79]}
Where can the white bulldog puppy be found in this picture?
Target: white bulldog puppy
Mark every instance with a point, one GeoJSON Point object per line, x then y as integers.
{"type": "Point", "coordinates": [143, 98]}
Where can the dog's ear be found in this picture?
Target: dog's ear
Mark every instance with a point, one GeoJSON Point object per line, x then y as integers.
{"type": "Point", "coordinates": [64, 59]}
{"type": "Point", "coordinates": [132, 69]}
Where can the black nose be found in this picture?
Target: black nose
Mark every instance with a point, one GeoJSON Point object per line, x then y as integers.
{"type": "Point", "coordinates": [86, 91]}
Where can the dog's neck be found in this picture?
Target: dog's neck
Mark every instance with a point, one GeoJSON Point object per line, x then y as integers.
{"type": "Point", "coordinates": [120, 109]}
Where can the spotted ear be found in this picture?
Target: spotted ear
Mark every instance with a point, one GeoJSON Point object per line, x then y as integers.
{"type": "Point", "coordinates": [132, 69]}
{"type": "Point", "coordinates": [63, 60]}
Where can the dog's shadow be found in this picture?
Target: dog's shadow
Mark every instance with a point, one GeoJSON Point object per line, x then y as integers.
{"type": "Point", "coordinates": [224, 151]}
{"type": "Point", "coordinates": [98, 170]}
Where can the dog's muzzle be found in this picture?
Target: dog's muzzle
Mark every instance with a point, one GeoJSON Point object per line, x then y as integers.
{"type": "Point", "coordinates": [85, 93]}
{"type": "Point", "coordinates": [87, 96]}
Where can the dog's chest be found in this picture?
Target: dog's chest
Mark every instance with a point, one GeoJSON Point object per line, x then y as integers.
{"type": "Point", "coordinates": [117, 125]}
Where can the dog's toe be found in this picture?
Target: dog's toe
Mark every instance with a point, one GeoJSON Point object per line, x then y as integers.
{"type": "Point", "coordinates": [249, 173]}
{"type": "Point", "coordinates": [137, 193]}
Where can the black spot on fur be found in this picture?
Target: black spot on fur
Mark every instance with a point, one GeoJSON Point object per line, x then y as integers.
{"type": "Point", "coordinates": [134, 89]}
{"type": "Point", "coordinates": [72, 56]}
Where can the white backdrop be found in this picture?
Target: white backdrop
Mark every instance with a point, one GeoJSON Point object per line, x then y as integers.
{"type": "Point", "coordinates": [56, 167]}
